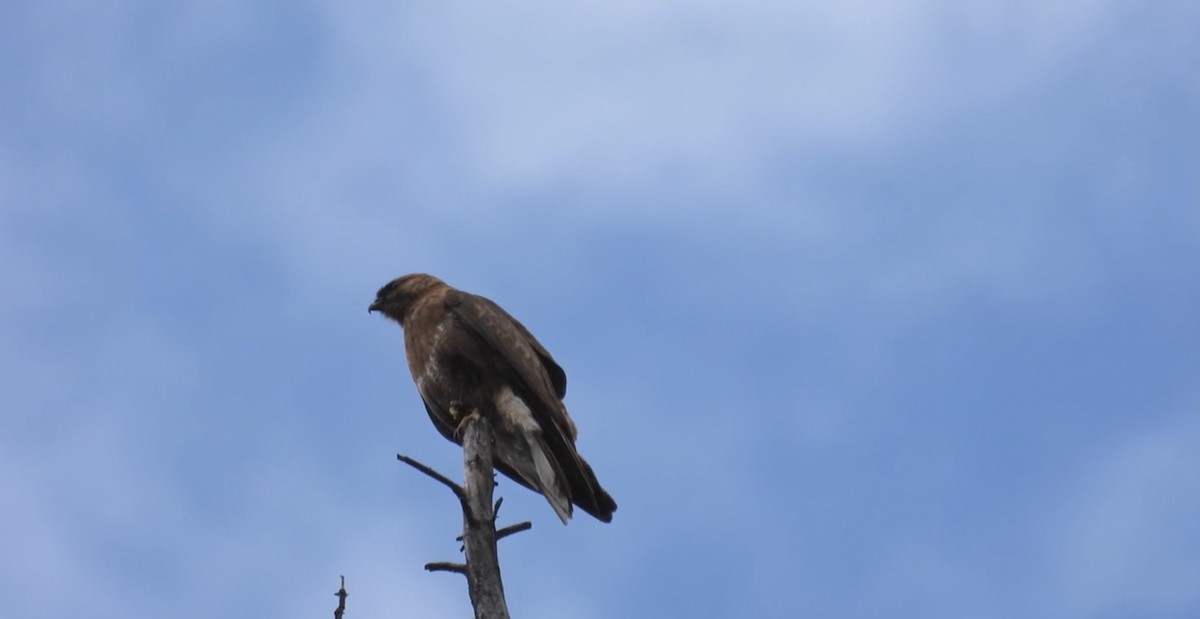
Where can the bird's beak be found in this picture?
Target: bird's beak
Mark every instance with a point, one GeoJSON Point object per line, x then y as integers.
{"type": "Point", "coordinates": [373, 306]}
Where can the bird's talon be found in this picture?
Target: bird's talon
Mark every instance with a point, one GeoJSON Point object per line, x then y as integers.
{"type": "Point", "coordinates": [457, 415]}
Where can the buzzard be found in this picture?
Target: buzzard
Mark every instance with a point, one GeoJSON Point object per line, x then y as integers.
{"type": "Point", "coordinates": [464, 350]}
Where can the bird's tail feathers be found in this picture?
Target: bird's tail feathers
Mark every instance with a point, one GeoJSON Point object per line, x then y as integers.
{"type": "Point", "coordinates": [549, 480]}
{"type": "Point", "coordinates": [588, 494]}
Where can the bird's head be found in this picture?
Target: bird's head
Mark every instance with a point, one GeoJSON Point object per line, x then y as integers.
{"type": "Point", "coordinates": [398, 296]}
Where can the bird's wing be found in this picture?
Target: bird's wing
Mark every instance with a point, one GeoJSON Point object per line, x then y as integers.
{"type": "Point", "coordinates": [558, 378]}
{"type": "Point", "coordinates": [543, 380]}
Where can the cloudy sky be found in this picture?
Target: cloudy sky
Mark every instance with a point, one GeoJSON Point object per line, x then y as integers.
{"type": "Point", "coordinates": [870, 309]}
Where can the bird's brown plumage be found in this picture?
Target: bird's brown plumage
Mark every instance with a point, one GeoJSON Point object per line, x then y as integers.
{"type": "Point", "coordinates": [464, 349]}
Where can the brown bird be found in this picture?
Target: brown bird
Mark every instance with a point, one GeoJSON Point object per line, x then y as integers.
{"type": "Point", "coordinates": [465, 350]}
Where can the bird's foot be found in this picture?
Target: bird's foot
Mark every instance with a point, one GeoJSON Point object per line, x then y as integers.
{"type": "Point", "coordinates": [461, 418]}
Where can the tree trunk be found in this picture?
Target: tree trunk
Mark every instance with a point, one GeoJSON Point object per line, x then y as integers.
{"type": "Point", "coordinates": [479, 521]}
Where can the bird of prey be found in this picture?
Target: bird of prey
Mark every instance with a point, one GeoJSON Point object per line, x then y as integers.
{"type": "Point", "coordinates": [467, 354]}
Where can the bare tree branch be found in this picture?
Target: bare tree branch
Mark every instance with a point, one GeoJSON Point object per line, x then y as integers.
{"type": "Point", "coordinates": [442, 479]}
{"type": "Point", "coordinates": [513, 528]}
{"type": "Point", "coordinates": [446, 566]}
{"type": "Point", "coordinates": [341, 595]}
{"type": "Point", "coordinates": [482, 566]}
{"type": "Point", "coordinates": [506, 531]}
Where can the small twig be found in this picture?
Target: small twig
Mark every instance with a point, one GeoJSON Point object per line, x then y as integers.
{"type": "Point", "coordinates": [442, 479]}
{"type": "Point", "coordinates": [506, 531]}
{"type": "Point", "coordinates": [341, 595]}
{"type": "Point", "coordinates": [513, 529]}
{"type": "Point", "coordinates": [446, 566]}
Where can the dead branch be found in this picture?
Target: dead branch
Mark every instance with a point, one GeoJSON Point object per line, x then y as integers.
{"type": "Point", "coordinates": [506, 531]}
{"type": "Point", "coordinates": [446, 566]}
{"type": "Point", "coordinates": [442, 479]}
{"type": "Point", "coordinates": [479, 522]}
{"type": "Point", "coordinates": [482, 566]}
{"type": "Point", "coordinates": [513, 528]}
{"type": "Point", "coordinates": [341, 596]}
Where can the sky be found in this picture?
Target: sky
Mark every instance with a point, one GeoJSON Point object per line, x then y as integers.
{"type": "Point", "coordinates": [869, 309]}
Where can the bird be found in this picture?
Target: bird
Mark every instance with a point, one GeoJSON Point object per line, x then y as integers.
{"type": "Point", "coordinates": [465, 353]}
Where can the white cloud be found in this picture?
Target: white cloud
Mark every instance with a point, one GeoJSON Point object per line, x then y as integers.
{"type": "Point", "coordinates": [433, 125]}
{"type": "Point", "coordinates": [618, 92]}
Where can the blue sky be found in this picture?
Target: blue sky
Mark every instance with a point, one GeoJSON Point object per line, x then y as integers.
{"type": "Point", "coordinates": [869, 309]}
